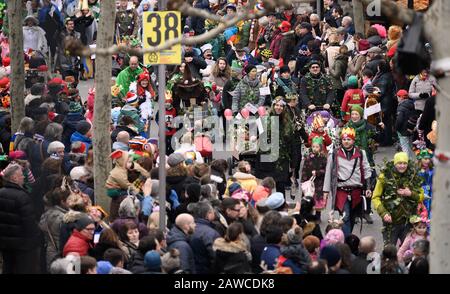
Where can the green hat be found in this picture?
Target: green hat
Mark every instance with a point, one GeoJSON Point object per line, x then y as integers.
{"type": "Point", "coordinates": [353, 82]}
{"type": "Point", "coordinates": [358, 108]}
{"type": "Point", "coordinates": [236, 66]}
{"type": "Point", "coordinates": [74, 107]}
{"type": "Point", "coordinates": [425, 153]}
{"type": "Point", "coordinates": [207, 85]}
{"type": "Point", "coordinates": [317, 140]}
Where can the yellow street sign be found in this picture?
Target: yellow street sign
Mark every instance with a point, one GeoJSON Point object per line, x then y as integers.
{"type": "Point", "coordinates": [160, 27]}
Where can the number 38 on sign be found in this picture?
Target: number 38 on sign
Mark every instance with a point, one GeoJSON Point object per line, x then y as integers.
{"type": "Point", "coordinates": [159, 28]}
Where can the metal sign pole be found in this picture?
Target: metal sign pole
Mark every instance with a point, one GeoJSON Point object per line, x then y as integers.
{"type": "Point", "coordinates": [162, 136]}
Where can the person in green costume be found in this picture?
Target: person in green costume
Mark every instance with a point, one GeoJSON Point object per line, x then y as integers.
{"type": "Point", "coordinates": [129, 75]}
{"type": "Point", "coordinates": [364, 132]}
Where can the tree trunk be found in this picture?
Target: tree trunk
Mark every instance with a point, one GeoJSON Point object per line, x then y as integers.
{"type": "Point", "coordinates": [102, 107]}
{"type": "Point", "coordinates": [17, 63]}
{"type": "Point", "coordinates": [358, 16]}
{"type": "Point", "coordinates": [437, 23]}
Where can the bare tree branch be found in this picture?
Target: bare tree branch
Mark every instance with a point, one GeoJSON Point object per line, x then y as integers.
{"type": "Point", "coordinates": [187, 9]}
{"type": "Point", "coordinates": [223, 25]}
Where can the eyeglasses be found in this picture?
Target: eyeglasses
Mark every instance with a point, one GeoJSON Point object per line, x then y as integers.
{"type": "Point", "coordinates": [315, 67]}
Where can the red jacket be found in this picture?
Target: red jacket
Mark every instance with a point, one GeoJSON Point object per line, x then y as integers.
{"type": "Point", "coordinates": [170, 116]}
{"type": "Point", "coordinates": [77, 243]}
{"type": "Point", "coordinates": [351, 97]}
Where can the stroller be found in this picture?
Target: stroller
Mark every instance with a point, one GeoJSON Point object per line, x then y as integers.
{"type": "Point", "coordinates": [332, 125]}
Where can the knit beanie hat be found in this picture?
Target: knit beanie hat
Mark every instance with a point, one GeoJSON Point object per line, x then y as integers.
{"type": "Point", "coordinates": [74, 107]}
{"type": "Point", "coordinates": [82, 222]}
{"type": "Point", "coordinates": [249, 68]}
{"type": "Point", "coordinates": [331, 255]}
{"type": "Point", "coordinates": [152, 260]}
{"type": "Point", "coordinates": [353, 82]}
{"type": "Point", "coordinates": [358, 109]}
{"type": "Point", "coordinates": [83, 127]}
{"type": "Point", "coordinates": [401, 157]}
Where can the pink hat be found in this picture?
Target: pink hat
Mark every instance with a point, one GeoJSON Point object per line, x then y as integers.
{"type": "Point", "coordinates": [381, 30]}
{"type": "Point", "coordinates": [334, 236]}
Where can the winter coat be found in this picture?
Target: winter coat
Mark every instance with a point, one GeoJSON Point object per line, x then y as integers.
{"type": "Point", "coordinates": [136, 263]}
{"type": "Point", "coordinates": [419, 86]}
{"type": "Point", "coordinates": [77, 243]}
{"type": "Point", "coordinates": [196, 65]}
{"type": "Point", "coordinates": [287, 46]}
{"type": "Point", "coordinates": [296, 257]}
{"type": "Point", "coordinates": [176, 182]}
{"type": "Point", "coordinates": [5, 132]}
{"type": "Point", "coordinates": [276, 43]}
{"type": "Point", "coordinates": [356, 65]}
{"type": "Point", "coordinates": [69, 125]}
{"type": "Point", "coordinates": [198, 23]}
{"type": "Point", "coordinates": [405, 111]}
{"type": "Point", "coordinates": [86, 190]}
{"type": "Point", "coordinates": [247, 182]}
{"type": "Point", "coordinates": [270, 255]}
{"type": "Point", "coordinates": [79, 137]}
{"type": "Point", "coordinates": [373, 63]}
{"type": "Point", "coordinates": [257, 245]}
{"type": "Point", "coordinates": [202, 245]}
{"type": "Point", "coordinates": [228, 91]}
{"type": "Point", "coordinates": [134, 114]}
{"type": "Point", "coordinates": [231, 257]}
{"type": "Point", "coordinates": [118, 176]}
{"type": "Point", "coordinates": [282, 87]}
{"type": "Point", "coordinates": [330, 55]}
{"type": "Point", "coordinates": [50, 224]}
{"type": "Point", "coordinates": [360, 264]}
{"type": "Point", "coordinates": [66, 62]}
{"type": "Point", "coordinates": [317, 163]}
{"type": "Point", "coordinates": [303, 41]}
{"type": "Point", "coordinates": [351, 97]}
{"type": "Point", "coordinates": [99, 250]}
{"type": "Point", "coordinates": [316, 90]}
{"type": "Point", "coordinates": [338, 71]}
{"type": "Point", "coordinates": [406, 249]}
{"type": "Point", "coordinates": [176, 238]}
{"type": "Point", "coordinates": [247, 91]}
{"type": "Point", "coordinates": [220, 180]}
{"type": "Point", "coordinates": [385, 82]}
{"type": "Point", "coordinates": [18, 227]}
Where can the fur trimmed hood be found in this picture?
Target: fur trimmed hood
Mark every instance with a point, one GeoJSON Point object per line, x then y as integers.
{"type": "Point", "coordinates": [232, 247]}
{"type": "Point", "coordinates": [71, 216]}
{"type": "Point", "coordinates": [244, 176]}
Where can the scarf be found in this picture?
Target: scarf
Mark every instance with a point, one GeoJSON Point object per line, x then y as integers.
{"type": "Point", "coordinates": [361, 133]}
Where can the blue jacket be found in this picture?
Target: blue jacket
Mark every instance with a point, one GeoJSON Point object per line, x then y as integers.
{"type": "Point", "coordinates": [179, 240]}
{"type": "Point", "coordinates": [270, 254]}
{"type": "Point", "coordinates": [79, 137]}
{"type": "Point", "coordinates": [202, 245]}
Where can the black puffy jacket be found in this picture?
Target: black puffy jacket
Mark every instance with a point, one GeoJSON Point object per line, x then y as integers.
{"type": "Point", "coordinates": [405, 112]}
{"type": "Point", "coordinates": [18, 226]}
